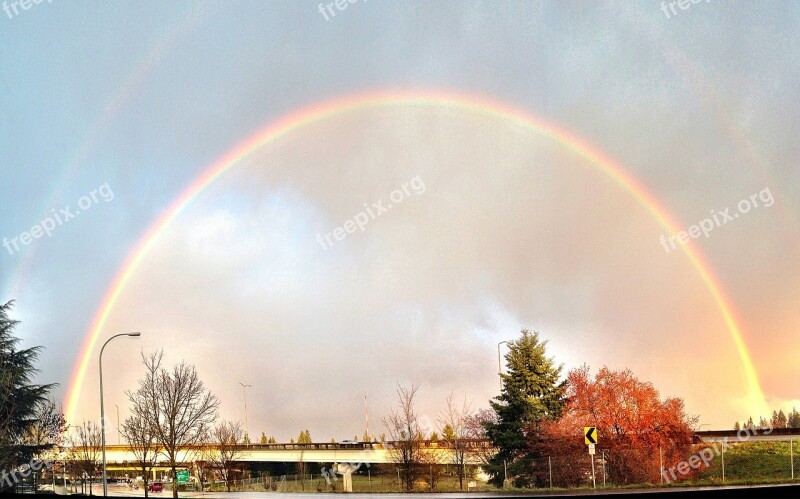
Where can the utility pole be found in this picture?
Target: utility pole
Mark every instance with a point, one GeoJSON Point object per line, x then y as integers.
{"type": "Point", "coordinates": [246, 429]}
{"type": "Point", "coordinates": [499, 365]}
{"type": "Point", "coordinates": [115, 405]}
{"type": "Point", "coordinates": [366, 418]}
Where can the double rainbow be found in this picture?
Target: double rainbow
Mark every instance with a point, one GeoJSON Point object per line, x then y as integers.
{"type": "Point", "coordinates": [410, 99]}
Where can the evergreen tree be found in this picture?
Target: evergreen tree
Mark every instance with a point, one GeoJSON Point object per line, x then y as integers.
{"type": "Point", "coordinates": [366, 438]}
{"type": "Point", "coordinates": [793, 420]}
{"type": "Point", "coordinates": [736, 426]}
{"type": "Point", "coordinates": [264, 438]}
{"type": "Point", "coordinates": [782, 420]}
{"type": "Point", "coordinates": [532, 393]}
{"type": "Point", "coordinates": [448, 433]}
{"type": "Point", "coordinates": [434, 437]}
{"type": "Point", "coordinates": [272, 440]}
{"type": "Point", "coordinates": [20, 399]}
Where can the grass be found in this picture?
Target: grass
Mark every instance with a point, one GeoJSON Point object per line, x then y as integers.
{"type": "Point", "coordinates": [746, 463]}
{"type": "Point", "coordinates": [752, 462]}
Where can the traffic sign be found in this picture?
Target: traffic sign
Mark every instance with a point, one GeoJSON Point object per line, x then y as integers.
{"type": "Point", "coordinates": [182, 476]}
{"type": "Point", "coordinates": [590, 435]}
{"type": "Point", "coordinates": [591, 449]}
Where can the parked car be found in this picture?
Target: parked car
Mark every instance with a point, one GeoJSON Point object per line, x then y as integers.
{"type": "Point", "coordinates": [155, 487]}
{"type": "Point", "coordinates": [348, 442]}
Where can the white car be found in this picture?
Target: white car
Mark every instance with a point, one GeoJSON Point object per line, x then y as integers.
{"type": "Point", "coordinates": [348, 442]}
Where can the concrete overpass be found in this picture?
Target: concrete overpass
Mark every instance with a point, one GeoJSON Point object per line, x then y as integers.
{"type": "Point", "coordinates": [746, 435]}
{"type": "Point", "coordinates": [122, 458]}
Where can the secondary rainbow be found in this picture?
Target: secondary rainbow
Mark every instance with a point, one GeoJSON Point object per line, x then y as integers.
{"type": "Point", "coordinates": [403, 98]}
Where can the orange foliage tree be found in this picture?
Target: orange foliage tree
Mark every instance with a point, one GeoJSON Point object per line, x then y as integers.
{"type": "Point", "coordinates": [633, 423]}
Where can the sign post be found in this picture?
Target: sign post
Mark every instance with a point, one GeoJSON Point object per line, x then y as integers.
{"type": "Point", "coordinates": [590, 438]}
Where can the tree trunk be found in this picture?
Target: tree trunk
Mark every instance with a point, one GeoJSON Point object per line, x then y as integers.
{"type": "Point", "coordinates": [174, 480]}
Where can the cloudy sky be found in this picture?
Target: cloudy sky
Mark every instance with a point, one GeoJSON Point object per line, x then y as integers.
{"type": "Point", "coordinates": [112, 109]}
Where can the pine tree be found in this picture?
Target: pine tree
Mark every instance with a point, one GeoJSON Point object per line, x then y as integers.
{"type": "Point", "coordinates": [272, 440]}
{"type": "Point", "coordinates": [794, 419]}
{"type": "Point", "coordinates": [434, 437]}
{"type": "Point", "coordinates": [782, 420]}
{"type": "Point", "coordinates": [264, 438]}
{"type": "Point", "coordinates": [448, 433]}
{"type": "Point", "coordinates": [20, 399]}
{"type": "Point", "coordinates": [736, 426]}
{"type": "Point", "coordinates": [532, 393]}
{"type": "Point", "coordinates": [366, 438]}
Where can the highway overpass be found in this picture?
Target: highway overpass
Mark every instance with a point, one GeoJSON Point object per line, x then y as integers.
{"type": "Point", "coordinates": [122, 458]}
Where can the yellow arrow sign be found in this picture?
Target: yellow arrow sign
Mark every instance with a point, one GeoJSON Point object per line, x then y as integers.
{"type": "Point", "coordinates": [590, 435]}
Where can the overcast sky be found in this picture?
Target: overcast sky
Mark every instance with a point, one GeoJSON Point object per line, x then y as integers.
{"type": "Point", "coordinates": [499, 228]}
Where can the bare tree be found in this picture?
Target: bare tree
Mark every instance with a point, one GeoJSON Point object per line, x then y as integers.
{"type": "Point", "coordinates": [301, 469]}
{"type": "Point", "coordinates": [203, 465]}
{"type": "Point", "coordinates": [85, 450]}
{"type": "Point", "coordinates": [46, 432]}
{"type": "Point", "coordinates": [177, 407]}
{"type": "Point", "coordinates": [453, 424]}
{"type": "Point", "coordinates": [137, 431]}
{"type": "Point", "coordinates": [404, 430]}
{"type": "Point", "coordinates": [226, 436]}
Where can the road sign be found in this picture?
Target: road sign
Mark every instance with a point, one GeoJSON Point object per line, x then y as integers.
{"type": "Point", "coordinates": [590, 435]}
{"type": "Point", "coordinates": [591, 449]}
{"type": "Point", "coordinates": [182, 476]}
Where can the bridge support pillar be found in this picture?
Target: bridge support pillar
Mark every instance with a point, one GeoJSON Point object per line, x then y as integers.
{"type": "Point", "coordinates": [346, 470]}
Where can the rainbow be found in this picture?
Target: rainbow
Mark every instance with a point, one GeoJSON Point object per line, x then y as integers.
{"type": "Point", "coordinates": [410, 99]}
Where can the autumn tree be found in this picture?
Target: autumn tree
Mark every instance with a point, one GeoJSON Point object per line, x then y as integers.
{"type": "Point", "coordinates": [634, 425]}
{"type": "Point", "coordinates": [475, 429]}
{"type": "Point", "coordinates": [403, 425]}
{"type": "Point", "coordinates": [532, 393]}
{"type": "Point", "coordinates": [179, 409]}
{"type": "Point", "coordinates": [226, 437]}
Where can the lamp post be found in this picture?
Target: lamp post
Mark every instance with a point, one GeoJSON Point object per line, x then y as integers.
{"type": "Point", "coordinates": [117, 407]}
{"type": "Point", "coordinates": [246, 429]}
{"type": "Point", "coordinates": [102, 409]}
{"type": "Point", "coordinates": [499, 365]}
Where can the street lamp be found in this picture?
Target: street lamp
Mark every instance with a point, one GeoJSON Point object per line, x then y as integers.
{"type": "Point", "coordinates": [246, 429]}
{"type": "Point", "coordinates": [102, 410]}
{"type": "Point", "coordinates": [499, 366]}
{"type": "Point", "coordinates": [117, 407]}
